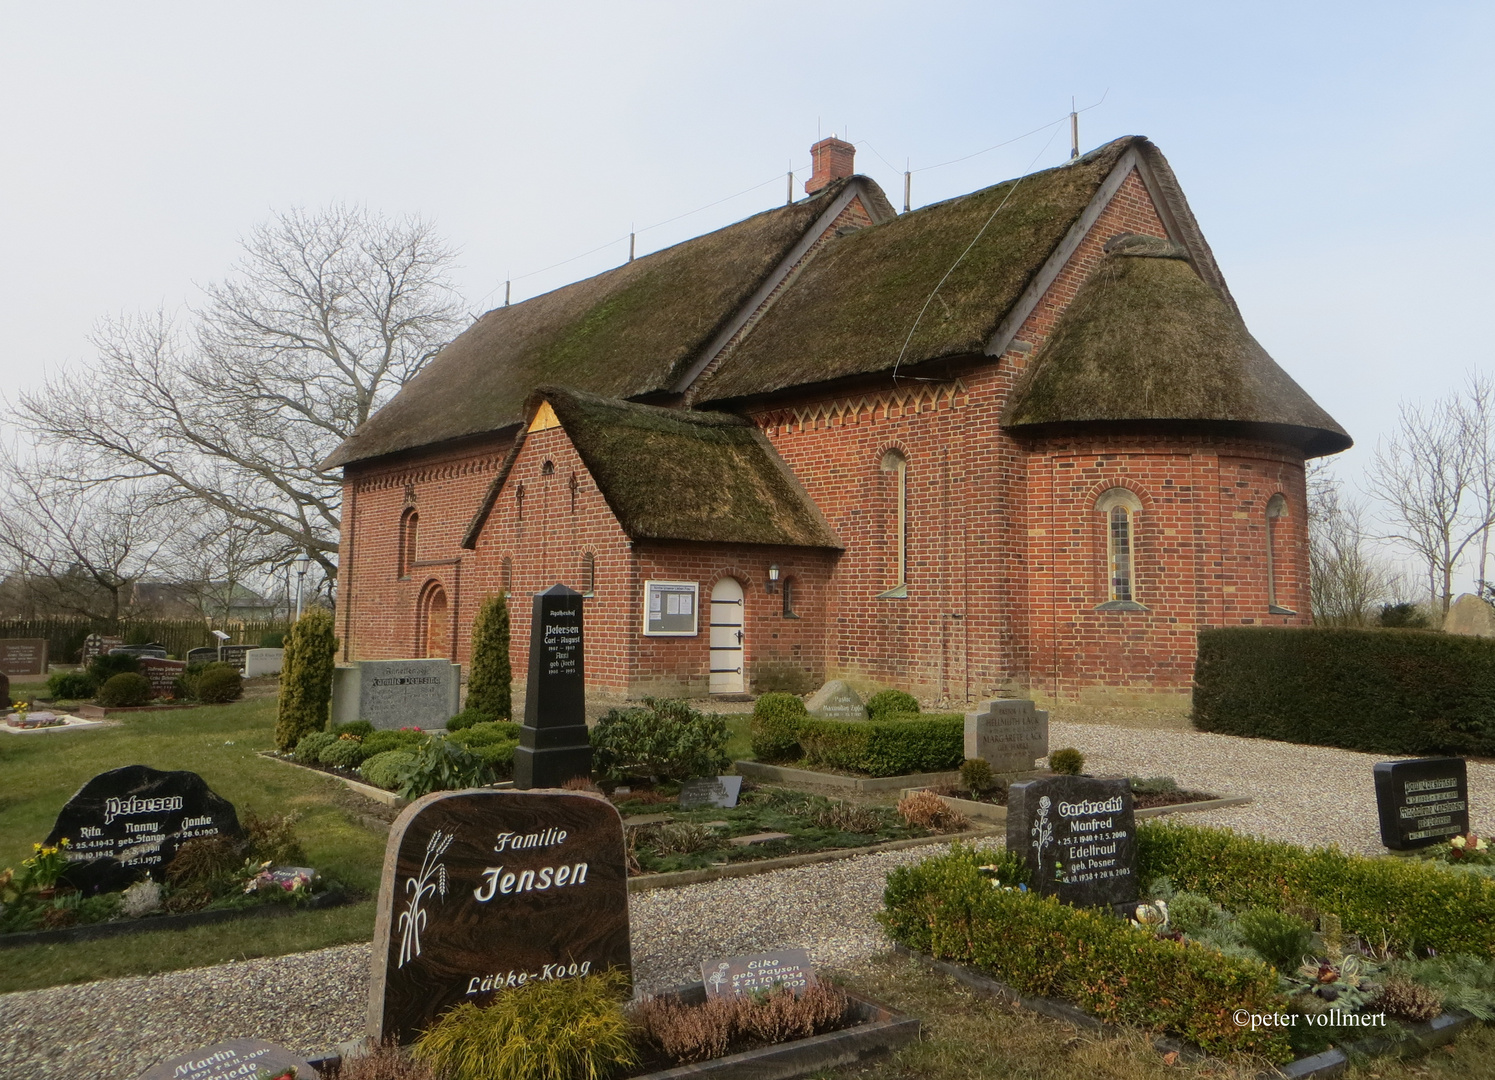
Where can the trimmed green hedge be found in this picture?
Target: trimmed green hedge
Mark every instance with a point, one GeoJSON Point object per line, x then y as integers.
{"type": "Point", "coordinates": [899, 744]}
{"type": "Point", "coordinates": [1413, 904]}
{"type": "Point", "coordinates": [945, 907]}
{"type": "Point", "coordinates": [1382, 691]}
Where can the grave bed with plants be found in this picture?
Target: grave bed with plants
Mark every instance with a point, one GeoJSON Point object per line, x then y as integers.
{"type": "Point", "coordinates": [1232, 925]}
{"type": "Point", "coordinates": [112, 685]}
{"type": "Point", "coordinates": [582, 1027]}
{"type": "Point", "coordinates": [210, 879]}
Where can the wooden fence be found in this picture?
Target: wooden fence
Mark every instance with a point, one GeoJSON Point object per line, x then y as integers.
{"type": "Point", "coordinates": [65, 636]}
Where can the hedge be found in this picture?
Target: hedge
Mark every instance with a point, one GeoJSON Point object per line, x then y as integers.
{"type": "Point", "coordinates": [901, 743]}
{"type": "Point", "coordinates": [1412, 904]}
{"type": "Point", "coordinates": [1119, 973]}
{"type": "Point", "coordinates": [1404, 692]}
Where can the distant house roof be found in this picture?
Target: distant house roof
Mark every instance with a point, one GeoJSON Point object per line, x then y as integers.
{"type": "Point", "coordinates": [678, 474]}
{"type": "Point", "coordinates": [1146, 339]}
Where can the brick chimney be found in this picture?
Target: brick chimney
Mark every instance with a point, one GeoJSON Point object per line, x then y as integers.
{"type": "Point", "coordinates": [833, 161]}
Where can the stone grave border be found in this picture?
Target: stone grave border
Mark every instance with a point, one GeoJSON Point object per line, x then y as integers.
{"type": "Point", "coordinates": [147, 923]}
{"type": "Point", "coordinates": [97, 712]}
{"type": "Point", "coordinates": [369, 791]}
{"type": "Point", "coordinates": [1424, 1036]}
{"type": "Point", "coordinates": [79, 723]}
{"type": "Point", "coordinates": [785, 774]}
{"type": "Point", "coordinates": [997, 815]}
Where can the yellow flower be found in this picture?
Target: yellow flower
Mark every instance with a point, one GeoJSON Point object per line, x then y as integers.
{"type": "Point", "coordinates": [64, 841]}
{"type": "Point", "coordinates": [1458, 842]}
{"type": "Point", "coordinates": [36, 847]}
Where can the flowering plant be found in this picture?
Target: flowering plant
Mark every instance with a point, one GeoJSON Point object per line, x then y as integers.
{"type": "Point", "coordinates": [46, 866]}
{"type": "Point", "coordinates": [1469, 847]}
{"type": "Point", "coordinates": [285, 882]}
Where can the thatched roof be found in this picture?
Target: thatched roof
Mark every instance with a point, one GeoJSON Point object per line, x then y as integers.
{"type": "Point", "coordinates": [1146, 340]}
{"type": "Point", "coordinates": [851, 309]}
{"type": "Point", "coordinates": [679, 474]}
{"type": "Point", "coordinates": [629, 332]}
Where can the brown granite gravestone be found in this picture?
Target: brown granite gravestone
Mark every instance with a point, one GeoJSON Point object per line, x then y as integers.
{"type": "Point", "coordinates": [487, 890]}
{"type": "Point", "coordinates": [23, 656]}
{"type": "Point", "coordinates": [238, 1059]}
{"type": "Point", "coordinates": [742, 975]}
{"type": "Point", "coordinates": [162, 674]}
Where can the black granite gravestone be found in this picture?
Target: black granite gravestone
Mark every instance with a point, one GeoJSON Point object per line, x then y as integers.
{"type": "Point", "coordinates": [740, 976]}
{"type": "Point", "coordinates": [553, 742]}
{"type": "Point", "coordinates": [486, 890]}
{"type": "Point", "coordinates": [129, 822]}
{"type": "Point", "coordinates": [1423, 801]}
{"type": "Point", "coordinates": [233, 654]}
{"type": "Point", "coordinates": [1078, 837]}
{"type": "Point", "coordinates": [204, 655]}
{"type": "Point", "coordinates": [238, 1059]}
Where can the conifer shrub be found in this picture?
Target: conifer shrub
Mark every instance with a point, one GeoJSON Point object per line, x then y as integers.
{"type": "Point", "coordinates": [343, 753]}
{"type": "Point", "coordinates": [492, 743]}
{"type": "Point", "coordinates": [774, 727]}
{"type": "Point", "coordinates": [103, 668]}
{"type": "Point", "coordinates": [555, 1029]}
{"type": "Point", "coordinates": [362, 728]}
{"type": "Point", "coordinates": [383, 770]}
{"type": "Point", "coordinates": [309, 749]}
{"type": "Point", "coordinates": [975, 775]}
{"type": "Point", "coordinates": [1067, 762]}
{"type": "Point", "coordinates": [306, 678]}
{"type": "Point", "coordinates": [125, 690]}
{"type": "Point", "coordinates": [377, 742]}
{"type": "Point", "coordinates": [1280, 936]}
{"type": "Point", "coordinates": [489, 678]}
{"type": "Point", "coordinates": [885, 704]}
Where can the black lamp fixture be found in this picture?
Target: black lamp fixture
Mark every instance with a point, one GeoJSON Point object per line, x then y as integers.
{"type": "Point", "coordinates": [773, 576]}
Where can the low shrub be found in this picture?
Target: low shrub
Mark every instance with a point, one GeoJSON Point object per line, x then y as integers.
{"type": "Point", "coordinates": [975, 775]}
{"type": "Point", "coordinates": [1401, 692]}
{"type": "Point", "coordinates": [555, 1029]}
{"type": "Point", "coordinates": [849, 817]}
{"type": "Point", "coordinates": [276, 639]}
{"type": "Point", "coordinates": [926, 810]}
{"type": "Point", "coordinates": [71, 686]}
{"type": "Point", "coordinates": [689, 1033]}
{"type": "Point", "coordinates": [680, 838]}
{"type": "Point", "coordinates": [385, 739]}
{"type": "Point", "coordinates": [1152, 785]}
{"type": "Point", "coordinates": [1406, 1000]}
{"type": "Point", "coordinates": [343, 753]}
{"type": "Point", "coordinates": [775, 727]}
{"type": "Point", "coordinates": [1067, 762]}
{"type": "Point", "coordinates": [362, 728]}
{"type": "Point", "coordinates": [493, 743]}
{"type": "Point", "coordinates": [188, 684]}
{"type": "Point", "coordinates": [947, 907]}
{"type": "Point", "coordinates": [1283, 938]}
{"type": "Point", "coordinates": [103, 668]}
{"type": "Point", "coordinates": [886, 703]}
{"type": "Point", "coordinates": [219, 686]}
{"type": "Point", "coordinates": [928, 743]}
{"type": "Point", "coordinates": [440, 765]}
{"type": "Point", "coordinates": [125, 690]}
{"type": "Point", "coordinates": [1414, 905]}
{"type": "Point", "coordinates": [309, 749]}
{"type": "Point", "coordinates": [466, 719]}
{"type": "Point", "coordinates": [1193, 913]}
{"type": "Point", "coordinates": [665, 739]}
{"type": "Point", "coordinates": [383, 770]}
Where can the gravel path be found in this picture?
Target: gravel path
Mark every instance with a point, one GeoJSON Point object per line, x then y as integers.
{"type": "Point", "coordinates": [114, 1029]}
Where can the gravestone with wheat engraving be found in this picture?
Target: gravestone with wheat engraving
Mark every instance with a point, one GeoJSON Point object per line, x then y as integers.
{"type": "Point", "coordinates": [489, 890]}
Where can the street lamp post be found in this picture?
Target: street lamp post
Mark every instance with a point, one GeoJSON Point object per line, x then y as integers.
{"type": "Point", "coordinates": [301, 565]}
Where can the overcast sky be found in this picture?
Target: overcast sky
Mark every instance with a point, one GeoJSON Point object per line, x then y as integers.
{"type": "Point", "coordinates": [1338, 156]}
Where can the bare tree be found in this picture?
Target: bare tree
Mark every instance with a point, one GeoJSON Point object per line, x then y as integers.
{"type": "Point", "coordinates": [1347, 580]}
{"type": "Point", "coordinates": [233, 408]}
{"type": "Point", "coordinates": [217, 564]}
{"type": "Point", "coordinates": [1435, 477]}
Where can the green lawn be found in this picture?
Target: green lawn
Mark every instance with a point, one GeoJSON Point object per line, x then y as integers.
{"type": "Point", "coordinates": [38, 773]}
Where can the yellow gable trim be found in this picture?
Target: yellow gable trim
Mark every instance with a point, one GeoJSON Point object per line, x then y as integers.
{"type": "Point", "coordinates": [545, 418]}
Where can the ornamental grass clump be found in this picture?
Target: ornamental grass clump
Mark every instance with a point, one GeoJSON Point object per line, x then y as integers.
{"type": "Point", "coordinates": [558, 1029]}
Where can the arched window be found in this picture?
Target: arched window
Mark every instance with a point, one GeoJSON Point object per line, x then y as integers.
{"type": "Point", "coordinates": [896, 466]}
{"type": "Point", "coordinates": [548, 469]}
{"type": "Point", "coordinates": [506, 575]}
{"type": "Point", "coordinates": [1276, 511]}
{"type": "Point", "coordinates": [435, 623]}
{"type": "Point", "coordinates": [789, 587]}
{"type": "Point", "coordinates": [588, 574]}
{"type": "Point", "coordinates": [409, 527]}
{"type": "Point", "coordinates": [1120, 508]}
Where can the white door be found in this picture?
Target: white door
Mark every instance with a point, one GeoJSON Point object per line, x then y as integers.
{"type": "Point", "coordinates": [726, 637]}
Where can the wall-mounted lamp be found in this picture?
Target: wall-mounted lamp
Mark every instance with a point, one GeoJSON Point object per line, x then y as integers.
{"type": "Point", "coordinates": [773, 576]}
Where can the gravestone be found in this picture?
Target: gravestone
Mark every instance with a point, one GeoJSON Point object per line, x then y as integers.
{"type": "Point", "coordinates": [202, 656]}
{"type": "Point", "coordinates": [4, 691]}
{"type": "Point", "coordinates": [1470, 616]}
{"type": "Point", "coordinates": [130, 821]}
{"type": "Point", "coordinates": [264, 662]}
{"type": "Point", "coordinates": [98, 645]}
{"type": "Point", "coordinates": [719, 791]}
{"type": "Point", "coordinates": [162, 674]}
{"type": "Point", "coordinates": [233, 654]}
{"type": "Point", "coordinates": [238, 1059]}
{"type": "Point", "coordinates": [1078, 837]}
{"type": "Point", "coordinates": [1422, 801]}
{"type": "Point", "coordinates": [836, 701]}
{"type": "Point", "coordinates": [396, 693]}
{"type": "Point", "coordinates": [23, 656]}
{"type": "Point", "coordinates": [553, 742]}
{"type": "Point", "coordinates": [739, 976]}
{"type": "Point", "coordinates": [154, 648]}
{"type": "Point", "coordinates": [486, 890]}
{"type": "Point", "coordinates": [1009, 734]}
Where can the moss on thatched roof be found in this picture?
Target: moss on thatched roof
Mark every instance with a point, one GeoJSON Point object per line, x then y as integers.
{"type": "Point", "coordinates": [680, 474]}
{"type": "Point", "coordinates": [627, 332]}
{"type": "Point", "coordinates": [1146, 339]}
{"type": "Point", "coordinates": [851, 309]}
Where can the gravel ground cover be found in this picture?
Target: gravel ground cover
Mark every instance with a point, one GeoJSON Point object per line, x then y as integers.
{"type": "Point", "coordinates": [309, 1002]}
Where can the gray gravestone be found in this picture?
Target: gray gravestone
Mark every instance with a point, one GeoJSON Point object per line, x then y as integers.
{"type": "Point", "coordinates": [1008, 734]}
{"type": "Point", "coordinates": [554, 745]}
{"type": "Point", "coordinates": [238, 1059]}
{"type": "Point", "coordinates": [836, 701]}
{"type": "Point", "coordinates": [154, 648]}
{"type": "Point", "coordinates": [396, 693]}
{"type": "Point", "coordinates": [486, 890]}
{"type": "Point", "coordinates": [1078, 837]}
{"type": "Point", "coordinates": [264, 662]}
{"type": "Point", "coordinates": [1421, 802]}
{"type": "Point", "coordinates": [740, 976]}
{"type": "Point", "coordinates": [719, 791]}
{"type": "Point", "coordinates": [98, 645]}
{"type": "Point", "coordinates": [23, 656]}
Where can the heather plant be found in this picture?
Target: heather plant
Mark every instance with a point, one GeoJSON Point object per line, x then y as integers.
{"type": "Point", "coordinates": [490, 679]}
{"type": "Point", "coordinates": [926, 810]}
{"type": "Point", "coordinates": [684, 1033]}
{"type": "Point", "coordinates": [306, 678]}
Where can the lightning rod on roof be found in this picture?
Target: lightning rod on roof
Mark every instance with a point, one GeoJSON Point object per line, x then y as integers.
{"type": "Point", "coordinates": [1074, 131]}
